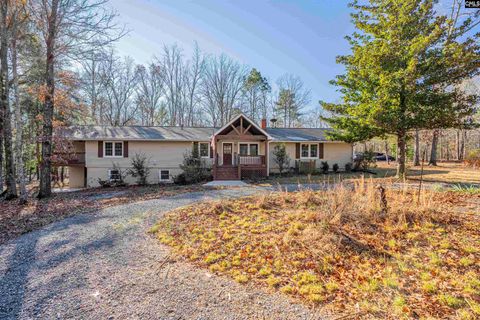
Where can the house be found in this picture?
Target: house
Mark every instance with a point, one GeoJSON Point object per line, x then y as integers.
{"type": "Point", "coordinates": [239, 149]}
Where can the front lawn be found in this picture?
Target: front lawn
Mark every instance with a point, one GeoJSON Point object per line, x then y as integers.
{"type": "Point", "coordinates": [340, 251]}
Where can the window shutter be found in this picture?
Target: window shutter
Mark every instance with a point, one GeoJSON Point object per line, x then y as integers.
{"type": "Point", "coordinates": [211, 151]}
{"type": "Point", "coordinates": [320, 150]}
{"type": "Point", "coordinates": [297, 151]}
{"type": "Point", "coordinates": [195, 149]}
{"type": "Point", "coordinates": [125, 149]}
{"type": "Point", "coordinates": [100, 149]}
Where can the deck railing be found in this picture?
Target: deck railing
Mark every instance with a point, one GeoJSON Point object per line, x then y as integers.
{"type": "Point", "coordinates": [251, 160]}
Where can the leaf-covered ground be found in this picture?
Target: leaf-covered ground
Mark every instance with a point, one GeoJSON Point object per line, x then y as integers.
{"type": "Point", "coordinates": [339, 251]}
{"type": "Point", "coordinates": [16, 219]}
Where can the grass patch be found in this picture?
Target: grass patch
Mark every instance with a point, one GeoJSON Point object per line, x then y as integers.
{"type": "Point", "coordinates": [337, 248]}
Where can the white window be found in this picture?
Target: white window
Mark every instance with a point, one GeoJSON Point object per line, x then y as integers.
{"type": "Point", "coordinates": [114, 175]}
{"type": "Point", "coordinates": [309, 151]}
{"type": "Point", "coordinates": [113, 149]}
{"type": "Point", "coordinates": [164, 175]}
{"type": "Point", "coordinates": [248, 149]}
{"type": "Point", "coordinates": [204, 149]}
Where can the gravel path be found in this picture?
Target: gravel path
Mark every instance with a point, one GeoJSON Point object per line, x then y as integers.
{"type": "Point", "coordinates": [104, 265]}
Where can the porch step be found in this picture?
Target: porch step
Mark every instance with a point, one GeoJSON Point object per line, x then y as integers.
{"type": "Point", "coordinates": [227, 173]}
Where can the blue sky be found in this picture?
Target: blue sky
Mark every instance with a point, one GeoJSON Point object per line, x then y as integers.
{"type": "Point", "coordinates": [301, 37]}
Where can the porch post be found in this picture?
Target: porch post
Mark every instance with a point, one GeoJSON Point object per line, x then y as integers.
{"type": "Point", "coordinates": [215, 158]}
{"type": "Point", "coordinates": [267, 159]}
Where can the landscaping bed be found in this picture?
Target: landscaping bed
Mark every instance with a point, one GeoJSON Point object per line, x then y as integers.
{"type": "Point", "coordinates": [16, 219]}
{"type": "Point", "coordinates": [345, 251]}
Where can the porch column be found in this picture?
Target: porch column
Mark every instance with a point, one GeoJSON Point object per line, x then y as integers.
{"type": "Point", "coordinates": [215, 158]}
{"type": "Point", "coordinates": [267, 158]}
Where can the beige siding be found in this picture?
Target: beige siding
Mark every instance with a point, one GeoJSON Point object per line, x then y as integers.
{"type": "Point", "coordinates": [160, 154]}
{"type": "Point", "coordinates": [333, 152]}
{"type": "Point", "coordinates": [76, 177]}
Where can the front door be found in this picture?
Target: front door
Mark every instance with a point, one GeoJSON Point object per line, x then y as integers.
{"type": "Point", "coordinates": [227, 154]}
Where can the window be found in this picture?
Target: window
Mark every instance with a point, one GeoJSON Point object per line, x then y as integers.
{"type": "Point", "coordinates": [114, 175]}
{"type": "Point", "coordinates": [313, 150]}
{"type": "Point", "coordinates": [305, 150]}
{"type": "Point", "coordinates": [243, 149]}
{"type": "Point", "coordinates": [164, 175]}
{"type": "Point", "coordinates": [113, 149]}
{"type": "Point", "coordinates": [204, 149]}
{"type": "Point", "coordinates": [248, 149]}
{"type": "Point", "coordinates": [309, 151]}
{"type": "Point", "coordinates": [254, 149]}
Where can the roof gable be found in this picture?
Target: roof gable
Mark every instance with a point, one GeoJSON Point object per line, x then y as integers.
{"type": "Point", "coordinates": [241, 122]}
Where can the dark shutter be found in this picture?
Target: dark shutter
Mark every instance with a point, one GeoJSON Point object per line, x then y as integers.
{"type": "Point", "coordinates": [125, 149]}
{"type": "Point", "coordinates": [100, 149]}
{"type": "Point", "coordinates": [320, 150]}
{"type": "Point", "coordinates": [297, 150]}
{"type": "Point", "coordinates": [195, 149]}
{"type": "Point", "coordinates": [211, 152]}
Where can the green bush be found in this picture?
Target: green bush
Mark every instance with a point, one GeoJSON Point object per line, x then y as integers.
{"type": "Point", "coordinates": [140, 169]}
{"type": "Point", "coordinates": [325, 166]}
{"type": "Point", "coordinates": [194, 169]}
{"type": "Point", "coordinates": [335, 167]}
{"type": "Point", "coordinates": [348, 167]}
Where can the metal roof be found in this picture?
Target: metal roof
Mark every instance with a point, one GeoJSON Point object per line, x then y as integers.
{"type": "Point", "coordinates": [298, 134]}
{"type": "Point", "coordinates": [91, 132]}
{"type": "Point", "coordinates": [137, 133]}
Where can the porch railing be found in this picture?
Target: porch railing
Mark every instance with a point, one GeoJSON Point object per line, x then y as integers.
{"type": "Point", "coordinates": [250, 160]}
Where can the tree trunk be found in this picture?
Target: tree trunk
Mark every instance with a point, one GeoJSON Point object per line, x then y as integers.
{"type": "Point", "coordinates": [18, 124]}
{"type": "Point", "coordinates": [433, 151]}
{"type": "Point", "coordinates": [46, 164]}
{"type": "Point", "coordinates": [11, 191]}
{"type": "Point", "coordinates": [401, 142]}
{"type": "Point", "coordinates": [416, 155]}
{"type": "Point", "coordinates": [386, 152]}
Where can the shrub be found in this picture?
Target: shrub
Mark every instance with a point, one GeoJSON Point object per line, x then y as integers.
{"type": "Point", "coordinates": [119, 181]}
{"type": "Point", "coordinates": [140, 169]}
{"type": "Point", "coordinates": [325, 166]}
{"type": "Point", "coordinates": [194, 169]}
{"type": "Point", "coordinates": [281, 157]}
{"type": "Point", "coordinates": [348, 167]}
{"type": "Point", "coordinates": [365, 161]}
{"type": "Point", "coordinates": [335, 167]}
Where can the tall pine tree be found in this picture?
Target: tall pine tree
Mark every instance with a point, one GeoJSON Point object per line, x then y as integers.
{"type": "Point", "coordinates": [402, 73]}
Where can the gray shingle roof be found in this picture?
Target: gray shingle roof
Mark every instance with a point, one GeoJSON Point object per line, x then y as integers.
{"type": "Point", "coordinates": [298, 134]}
{"type": "Point", "coordinates": [137, 133]}
{"type": "Point", "coordinates": [180, 134]}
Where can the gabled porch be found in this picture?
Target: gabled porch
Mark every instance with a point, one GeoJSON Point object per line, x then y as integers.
{"type": "Point", "coordinates": [240, 150]}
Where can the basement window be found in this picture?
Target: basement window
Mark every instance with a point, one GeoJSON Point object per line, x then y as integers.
{"type": "Point", "coordinates": [164, 175]}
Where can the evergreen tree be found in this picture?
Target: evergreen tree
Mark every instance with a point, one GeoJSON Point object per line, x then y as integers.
{"type": "Point", "coordinates": [402, 73]}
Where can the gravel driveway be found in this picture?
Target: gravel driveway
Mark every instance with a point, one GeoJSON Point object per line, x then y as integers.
{"type": "Point", "coordinates": [104, 265]}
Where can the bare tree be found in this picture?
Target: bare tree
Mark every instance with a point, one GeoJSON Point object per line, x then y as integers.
{"type": "Point", "coordinates": [119, 79]}
{"type": "Point", "coordinates": [221, 87]}
{"type": "Point", "coordinates": [149, 94]}
{"type": "Point", "coordinates": [18, 21]}
{"type": "Point", "coordinates": [11, 191]}
{"type": "Point", "coordinates": [70, 29]}
{"type": "Point", "coordinates": [194, 72]}
{"type": "Point", "coordinates": [172, 65]}
{"type": "Point", "coordinates": [92, 85]}
{"type": "Point", "coordinates": [292, 98]}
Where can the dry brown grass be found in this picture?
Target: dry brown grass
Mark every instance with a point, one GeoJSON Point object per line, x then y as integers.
{"type": "Point", "coordinates": [338, 250]}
